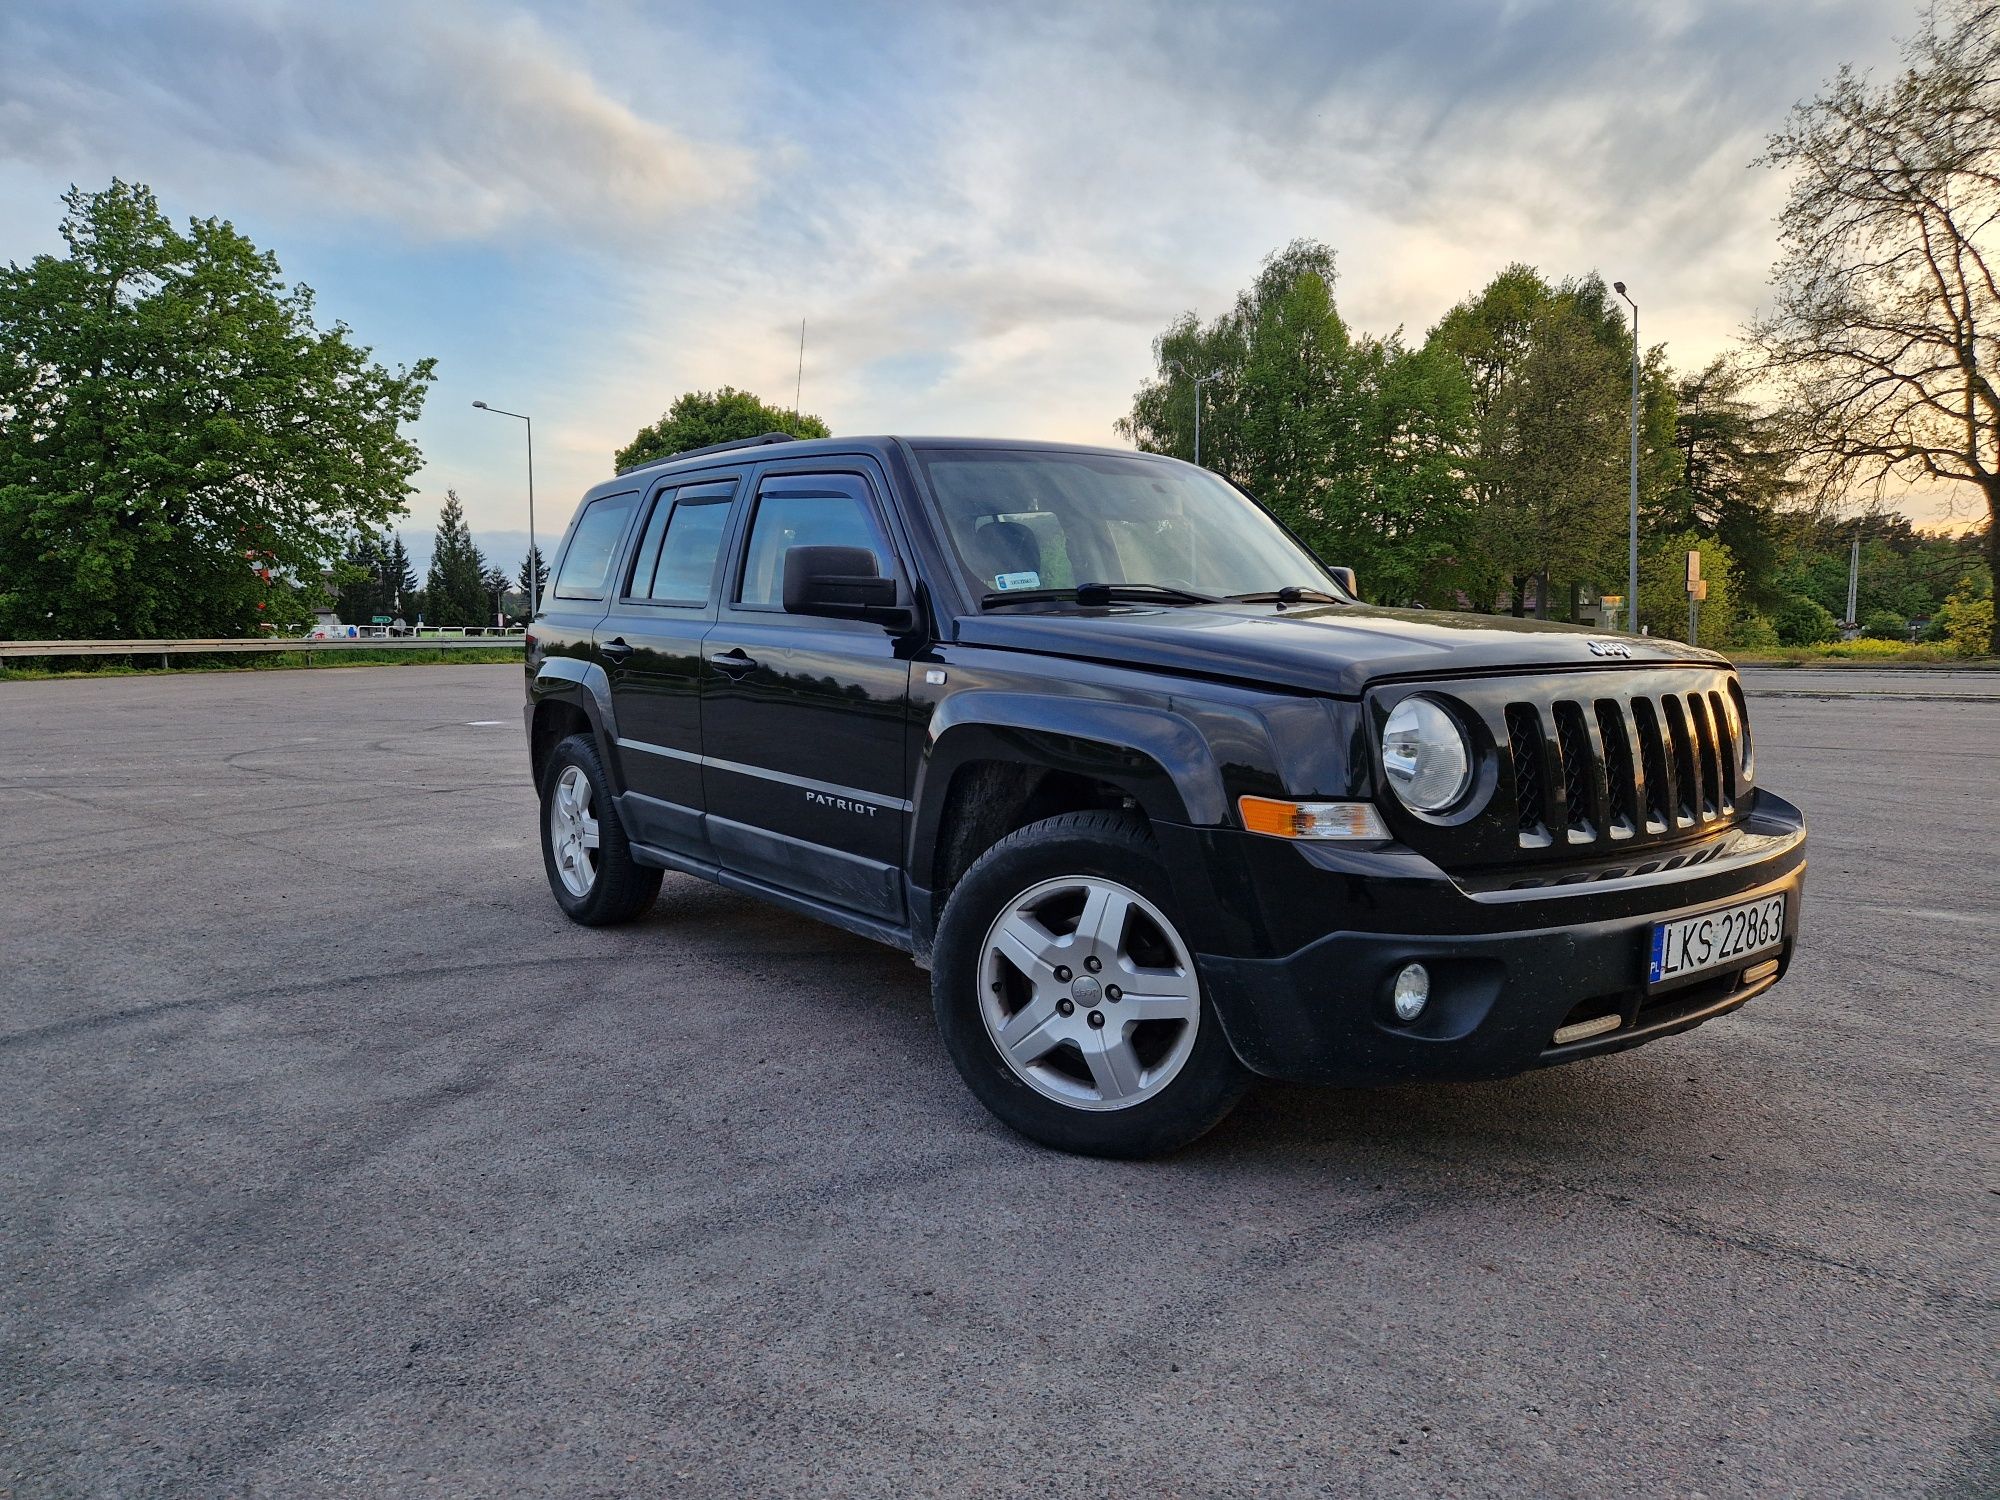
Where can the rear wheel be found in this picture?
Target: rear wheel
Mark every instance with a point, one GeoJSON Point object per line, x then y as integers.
{"type": "Point", "coordinates": [1068, 998]}
{"type": "Point", "coordinates": [589, 863]}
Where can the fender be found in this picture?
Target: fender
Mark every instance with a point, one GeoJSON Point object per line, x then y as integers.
{"type": "Point", "coordinates": [570, 679]}
{"type": "Point", "coordinates": [1155, 755]}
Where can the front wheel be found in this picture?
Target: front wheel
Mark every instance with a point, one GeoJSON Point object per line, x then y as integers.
{"type": "Point", "coordinates": [1068, 998]}
{"type": "Point", "coordinates": [590, 865]}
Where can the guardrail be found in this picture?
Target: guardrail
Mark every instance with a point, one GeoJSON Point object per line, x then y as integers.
{"type": "Point", "coordinates": [224, 646]}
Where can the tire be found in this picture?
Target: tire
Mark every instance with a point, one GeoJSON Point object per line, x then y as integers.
{"type": "Point", "coordinates": [584, 850]}
{"type": "Point", "coordinates": [1134, 1076]}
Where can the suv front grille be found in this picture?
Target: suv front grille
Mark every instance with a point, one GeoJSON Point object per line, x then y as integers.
{"type": "Point", "coordinates": [1590, 762]}
{"type": "Point", "coordinates": [1685, 775]}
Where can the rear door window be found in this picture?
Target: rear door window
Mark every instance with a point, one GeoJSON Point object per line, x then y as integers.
{"type": "Point", "coordinates": [679, 568]}
{"type": "Point", "coordinates": [646, 556]}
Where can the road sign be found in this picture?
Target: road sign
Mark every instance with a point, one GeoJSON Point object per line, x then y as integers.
{"type": "Point", "coordinates": [379, 620]}
{"type": "Point", "coordinates": [1694, 568]}
{"type": "Point", "coordinates": [1698, 590]}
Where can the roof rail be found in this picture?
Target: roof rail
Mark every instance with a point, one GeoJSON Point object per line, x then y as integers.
{"type": "Point", "coordinates": [750, 442]}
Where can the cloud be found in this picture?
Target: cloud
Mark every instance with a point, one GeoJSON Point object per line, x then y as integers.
{"type": "Point", "coordinates": [988, 243]}
{"type": "Point", "coordinates": [1153, 154]}
{"type": "Point", "coordinates": [437, 120]}
{"type": "Point", "coordinates": [985, 213]}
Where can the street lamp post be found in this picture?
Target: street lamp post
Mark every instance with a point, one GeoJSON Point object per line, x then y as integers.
{"type": "Point", "coordinates": [534, 567]}
{"type": "Point", "coordinates": [1198, 379]}
{"type": "Point", "coordinates": [1632, 535]}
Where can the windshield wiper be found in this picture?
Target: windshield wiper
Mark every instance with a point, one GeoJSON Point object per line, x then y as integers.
{"type": "Point", "coordinates": [1104, 593]}
{"type": "Point", "coordinates": [992, 600]}
{"type": "Point", "coordinates": [1092, 594]}
{"type": "Point", "coordinates": [1291, 593]}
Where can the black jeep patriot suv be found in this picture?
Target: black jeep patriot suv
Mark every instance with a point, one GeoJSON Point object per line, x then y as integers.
{"type": "Point", "coordinates": [1161, 804]}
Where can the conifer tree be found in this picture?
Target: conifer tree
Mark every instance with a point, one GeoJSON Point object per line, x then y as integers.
{"type": "Point", "coordinates": [399, 580]}
{"type": "Point", "coordinates": [455, 593]}
{"type": "Point", "coordinates": [533, 578]}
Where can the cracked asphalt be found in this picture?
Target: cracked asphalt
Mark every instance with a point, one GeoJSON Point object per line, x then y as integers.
{"type": "Point", "coordinates": [336, 1162]}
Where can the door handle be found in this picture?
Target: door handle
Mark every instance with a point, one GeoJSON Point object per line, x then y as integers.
{"type": "Point", "coordinates": [735, 661]}
{"type": "Point", "coordinates": [615, 650]}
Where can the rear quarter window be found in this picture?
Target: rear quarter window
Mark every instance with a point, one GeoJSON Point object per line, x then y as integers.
{"type": "Point", "coordinates": [586, 563]}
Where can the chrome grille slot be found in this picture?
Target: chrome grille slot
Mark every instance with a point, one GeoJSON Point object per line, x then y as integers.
{"type": "Point", "coordinates": [1744, 762]}
{"type": "Point", "coordinates": [1573, 741]}
{"type": "Point", "coordinates": [1524, 744]}
{"type": "Point", "coordinates": [1620, 785]}
{"type": "Point", "coordinates": [1687, 788]}
{"type": "Point", "coordinates": [1659, 780]}
{"type": "Point", "coordinates": [1704, 747]}
{"type": "Point", "coordinates": [1725, 746]}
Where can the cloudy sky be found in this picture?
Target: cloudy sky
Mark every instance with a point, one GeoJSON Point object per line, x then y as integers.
{"type": "Point", "coordinates": [984, 212]}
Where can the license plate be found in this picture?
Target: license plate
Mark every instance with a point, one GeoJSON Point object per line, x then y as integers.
{"type": "Point", "coordinates": [1715, 939]}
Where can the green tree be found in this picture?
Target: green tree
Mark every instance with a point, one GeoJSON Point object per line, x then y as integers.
{"type": "Point", "coordinates": [1299, 401]}
{"type": "Point", "coordinates": [1904, 570]}
{"type": "Point", "coordinates": [1885, 330]}
{"type": "Point", "coordinates": [399, 581]}
{"type": "Point", "coordinates": [1965, 622]}
{"type": "Point", "coordinates": [702, 417]}
{"type": "Point", "coordinates": [183, 451]}
{"type": "Point", "coordinates": [1663, 598]}
{"type": "Point", "coordinates": [1162, 415]}
{"type": "Point", "coordinates": [1350, 439]}
{"type": "Point", "coordinates": [359, 577]}
{"type": "Point", "coordinates": [1804, 622]}
{"type": "Point", "coordinates": [1549, 370]}
{"type": "Point", "coordinates": [1754, 632]}
{"type": "Point", "coordinates": [533, 577]}
{"type": "Point", "coordinates": [1885, 625]}
{"type": "Point", "coordinates": [1734, 474]}
{"type": "Point", "coordinates": [498, 588]}
{"type": "Point", "coordinates": [455, 593]}
{"type": "Point", "coordinates": [1401, 518]}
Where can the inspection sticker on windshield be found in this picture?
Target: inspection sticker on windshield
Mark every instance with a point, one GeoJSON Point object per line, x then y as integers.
{"type": "Point", "coordinates": [1017, 581]}
{"type": "Point", "coordinates": [1715, 939]}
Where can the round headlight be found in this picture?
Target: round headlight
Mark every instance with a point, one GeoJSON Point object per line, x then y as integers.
{"type": "Point", "coordinates": [1426, 756]}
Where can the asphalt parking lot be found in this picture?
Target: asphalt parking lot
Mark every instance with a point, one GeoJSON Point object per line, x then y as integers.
{"type": "Point", "coordinates": [337, 1162]}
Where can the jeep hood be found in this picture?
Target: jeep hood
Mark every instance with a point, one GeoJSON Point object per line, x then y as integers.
{"type": "Point", "coordinates": [1331, 648]}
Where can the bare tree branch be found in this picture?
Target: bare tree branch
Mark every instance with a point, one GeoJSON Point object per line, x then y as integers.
{"type": "Point", "coordinates": [1885, 332]}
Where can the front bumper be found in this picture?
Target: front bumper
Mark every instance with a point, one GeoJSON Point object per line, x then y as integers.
{"type": "Point", "coordinates": [1299, 945]}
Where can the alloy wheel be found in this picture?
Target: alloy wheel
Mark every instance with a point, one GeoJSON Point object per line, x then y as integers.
{"type": "Point", "coordinates": [573, 831]}
{"type": "Point", "coordinates": [1089, 993]}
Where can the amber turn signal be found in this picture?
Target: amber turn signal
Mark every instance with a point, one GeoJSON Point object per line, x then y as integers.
{"type": "Point", "coordinates": [1311, 820]}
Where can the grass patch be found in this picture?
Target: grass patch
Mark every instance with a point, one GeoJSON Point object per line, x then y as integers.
{"type": "Point", "coordinates": [1859, 653]}
{"type": "Point", "coordinates": [48, 668]}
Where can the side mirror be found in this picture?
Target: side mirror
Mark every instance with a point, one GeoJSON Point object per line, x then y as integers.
{"type": "Point", "coordinates": [841, 583]}
{"type": "Point", "coordinates": [1345, 578]}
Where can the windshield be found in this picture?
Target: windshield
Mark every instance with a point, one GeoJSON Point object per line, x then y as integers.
{"type": "Point", "coordinates": [1025, 519]}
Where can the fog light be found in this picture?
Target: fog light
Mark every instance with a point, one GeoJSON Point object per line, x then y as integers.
{"type": "Point", "coordinates": [1413, 992]}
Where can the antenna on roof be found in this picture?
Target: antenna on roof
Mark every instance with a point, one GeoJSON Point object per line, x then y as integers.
{"type": "Point", "coordinates": [799, 384]}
